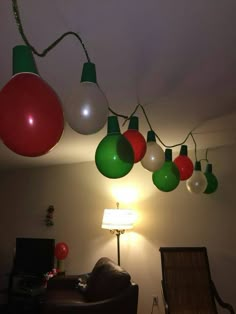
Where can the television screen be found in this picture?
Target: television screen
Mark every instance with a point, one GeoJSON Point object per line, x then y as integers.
{"type": "Point", "coordinates": [34, 256]}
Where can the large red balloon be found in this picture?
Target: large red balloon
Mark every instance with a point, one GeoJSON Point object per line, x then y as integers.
{"type": "Point", "coordinates": [138, 143]}
{"type": "Point", "coordinates": [31, 116]}
{"type": "Point", "coordinates": [61, 250]}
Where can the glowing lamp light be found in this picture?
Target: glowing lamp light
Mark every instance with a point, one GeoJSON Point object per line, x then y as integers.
{"type": "Point", "coordinates": [154, 157]}
{"type": "Point", "coordinates": [124, 193]}
{"type": "Point", "coordinates": [167, 178]}
{"type": "Point", "coordinates": [114, 155]}
{"type": "Point", "coordinates": [87, 109]}
{"type": "Point", "coordinates": [184, 163]}
{"type": "Point", "coordinates": [212, 182]}
{"type": "Point", "coordinates": [197, 183]}
{"type": "Point", "coordinates": [136, 139]}
{"type": "Point", "coordinates": [31, 116]}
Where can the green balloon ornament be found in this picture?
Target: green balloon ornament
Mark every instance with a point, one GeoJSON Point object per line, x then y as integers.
{"type": "Point", "coordinates": [114, 155]}
{"type": "Point", "coordinates": [167, 178]}
{"type": "Point", "coordinates": [212, 182]}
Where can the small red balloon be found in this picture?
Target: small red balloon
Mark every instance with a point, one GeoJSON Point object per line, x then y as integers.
{"type": "Point", "coordinates": [31, 116]}
{"type": "Point", "coordinates": [61, 250]}
{"type": "Point", "coordinates": [138, 143]}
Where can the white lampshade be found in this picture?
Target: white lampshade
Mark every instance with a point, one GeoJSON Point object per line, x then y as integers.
{"type": "Point", "coordinates": [118, 219]}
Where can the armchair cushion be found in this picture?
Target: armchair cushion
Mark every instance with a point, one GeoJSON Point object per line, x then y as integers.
{"type": "Point", "coordinates": [106, 280]}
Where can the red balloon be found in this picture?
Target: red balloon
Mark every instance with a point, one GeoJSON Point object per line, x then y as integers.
{"type": "Point", "coordinates": [31, 116]}
{"type": "Point", "coordinates": [185, 166]}
{"type": "Point", "coordinates": [138, 143]}
{"type": "Point", "coordinates": [61, 250]}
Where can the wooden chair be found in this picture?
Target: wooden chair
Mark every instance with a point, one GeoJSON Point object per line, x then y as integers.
{"type": "Point", "coordinates": [186, 282]}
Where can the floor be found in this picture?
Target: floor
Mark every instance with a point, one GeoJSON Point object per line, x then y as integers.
{"type": "Point", "coordinates": [4, 309]}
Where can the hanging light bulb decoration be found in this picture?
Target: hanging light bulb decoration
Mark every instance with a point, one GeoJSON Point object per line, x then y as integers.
{"type": "Point", "coordinates": [212, 182]}
{"type": "Point", "coordinates": [31, 116]}
{"type": "Point", "coordinates": [136, 139]}
{"type": "Point", "coordinates": [114, 155]}
{"type": "Point", "coordinates": [184, 163]}
{"type": "Point", "coordinates": [87, 108]}
{"type": "Point", "coordinates": [167, 178]}
{"type": "Point", "coordinates": [154, 157]}
{"type": "Point", "coordinates": [197, 183]}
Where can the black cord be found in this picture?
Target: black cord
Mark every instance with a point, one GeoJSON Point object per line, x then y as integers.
{"type": "Point", "coordinates": [49, 48]}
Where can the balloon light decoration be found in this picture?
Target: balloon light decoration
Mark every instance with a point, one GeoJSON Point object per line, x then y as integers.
{"type": "Point", "coordinates": [197, 183]}
{"type": "Point", "coordinates": [32, 123]}
{"type": "Point", "coordinates": [212, 182]}
{"type": "Point", "coordinates": [154, 157]}
{"type": "Point", "coordinates": [136, 139]}
{"type": "Point", "coordinates": [31, 116]}
{"type": "Point", "coordinates": [114, 155]}
{"type": "Point", "coordinates": [87, 109]}
{"type": "Point", "coordinates": [167, 178]}
{"type": "Point", "coordinates": [184, 163]}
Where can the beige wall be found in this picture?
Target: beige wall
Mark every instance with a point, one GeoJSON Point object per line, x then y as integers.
{"type": "Point", "coordinates": [79, 194]}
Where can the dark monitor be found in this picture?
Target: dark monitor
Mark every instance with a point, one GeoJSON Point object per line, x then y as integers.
{"type": "Point", "coordinates": [34, 256]}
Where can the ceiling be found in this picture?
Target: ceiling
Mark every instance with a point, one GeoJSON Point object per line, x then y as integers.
{"type": "Point", "coordinates": [176, 58]}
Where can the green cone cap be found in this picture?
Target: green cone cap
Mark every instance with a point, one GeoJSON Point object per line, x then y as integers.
{"type": "Point", "coordinates": [89, 73]}
{"type": "Point", "coordinates": [184, 150]}
{"type": "Point", "coordinates": [113, 125]}
{"type": "Point", "coordinates": [209, 168]}
{"type": "Point", "coordinates": [168, 154]}
{"type": "Point", "coordinates": [23, 60]}
{"type": "Point", "coordinates": [151, 136]}
{"type": "Point", "coordinates": [133, 123]}
{"type": "Point", "coordinates": [198, 166]}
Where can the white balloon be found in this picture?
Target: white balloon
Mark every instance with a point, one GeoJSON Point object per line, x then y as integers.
{"type": "Point", "coordinates": [154, 157]}
{"type": "Point", "coordinates": [87, 109]}
{"type": "Point", "coordinates": [197, 183]}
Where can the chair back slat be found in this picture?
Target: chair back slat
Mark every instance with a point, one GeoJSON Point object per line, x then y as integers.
{"type": "Point", "coordinates": [187, 281]}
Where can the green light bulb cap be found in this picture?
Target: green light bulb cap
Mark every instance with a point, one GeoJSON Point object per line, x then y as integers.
{"type": "Point", "coordinates": [151, 136]}
{"type": "Point", "coordinates": [209, 168]}
{"type": "Point", "coordinates": [198, 166]}
{"type": "Point", "coordinates": [168, 154]}
{"type": "Point", "coordinates": [23, 60]}
{"type": "Point", "coordinates": [89, 73]}
{"type": "Point", "coordinates": [133, 123]}
{"type": "Point", "coordinates": [113, 125]}
{"type": "Point", "coordinates": [184, 150]}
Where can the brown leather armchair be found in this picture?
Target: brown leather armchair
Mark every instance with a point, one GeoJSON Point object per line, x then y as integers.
{"type": "Point", "coordinates": [107, 289]}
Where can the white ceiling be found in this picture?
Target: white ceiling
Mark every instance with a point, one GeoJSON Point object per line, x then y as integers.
{"type": "Point", "coordinates": [177, 58]}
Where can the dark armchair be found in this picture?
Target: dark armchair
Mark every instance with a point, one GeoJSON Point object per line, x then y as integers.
{"type": "Point", "coordinates": [107, 289]}
{"type": "Point", "coordinates": [186, 282]}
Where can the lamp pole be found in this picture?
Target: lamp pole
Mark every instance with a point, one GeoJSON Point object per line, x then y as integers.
{"type": "Point", "coordinates": [118, 233]}
{"type": "Point", "coordinates": [118, 248]}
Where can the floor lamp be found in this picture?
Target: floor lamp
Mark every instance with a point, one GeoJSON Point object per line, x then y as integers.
{"type": "Point", "coordinates": [117, 221]}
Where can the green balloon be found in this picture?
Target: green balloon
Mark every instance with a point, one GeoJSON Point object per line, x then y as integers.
{"type": "Point", "coordinates": [167, 178]}
{"type": "Point", "coordinates": [114, 156]}
{"type": "Point", "coordinates": [212, 183]}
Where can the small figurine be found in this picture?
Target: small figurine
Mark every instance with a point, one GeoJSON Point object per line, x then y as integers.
{"type": "Point", "coordinates": [49, 217]}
